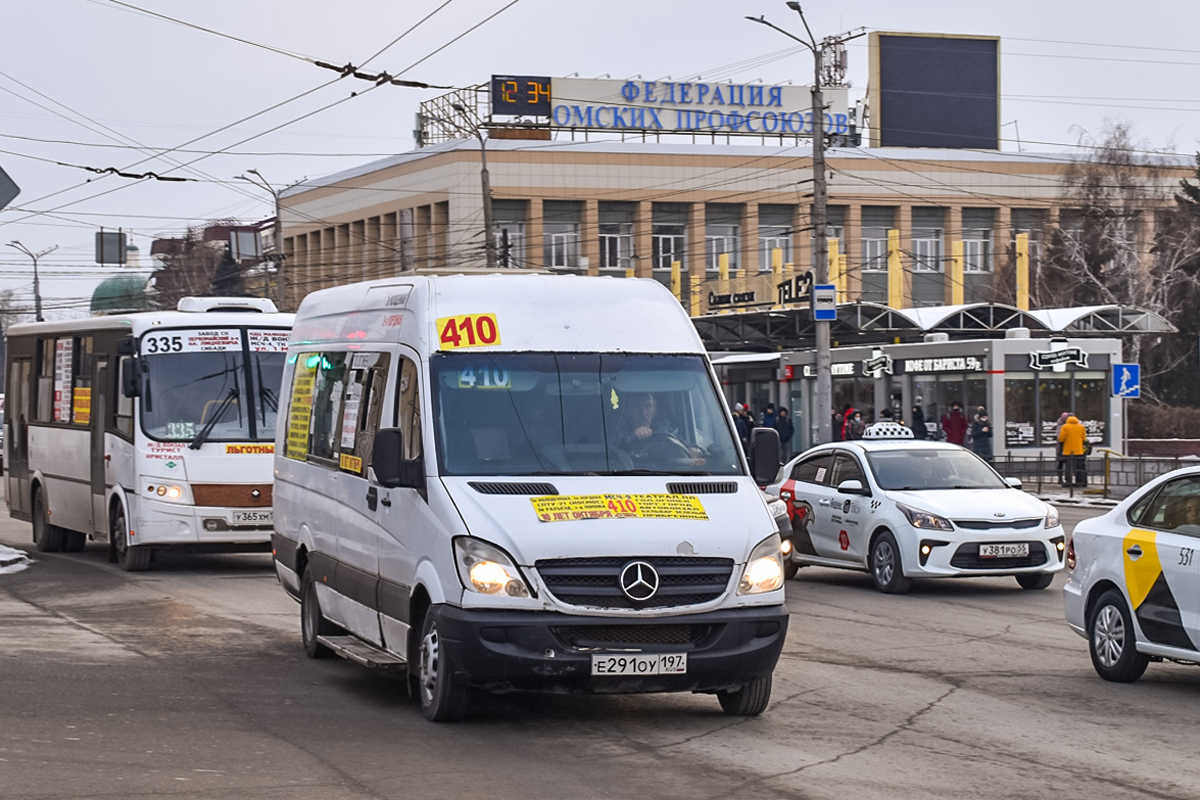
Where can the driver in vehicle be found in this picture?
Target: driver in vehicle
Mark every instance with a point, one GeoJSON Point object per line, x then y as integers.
{"type": "Point", "coordinates": [639, 426]}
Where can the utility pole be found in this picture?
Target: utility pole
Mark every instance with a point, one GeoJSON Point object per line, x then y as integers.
{"type": "Point", "coordinates": [824, 410]}
{"type": "Point", "coordinates": [37, 286]}
{"type": "Point", "coordinates": [489, 239]}
{"type": "Point", "coordinates": [277, 233]}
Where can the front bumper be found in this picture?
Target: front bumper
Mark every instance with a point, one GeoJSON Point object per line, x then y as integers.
{"type": "Point", "coordinates": [165, 523]}
{"type": "Point", "coordinates": [550, 652]}
{"type": "Point", "coordinates": [959, 555]}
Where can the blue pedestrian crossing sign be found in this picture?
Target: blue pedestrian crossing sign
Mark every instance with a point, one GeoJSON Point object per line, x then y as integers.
{"type": "Point", "coordinates": [1126, 380]}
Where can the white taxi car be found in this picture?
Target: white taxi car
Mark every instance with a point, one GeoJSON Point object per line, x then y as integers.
{"type": "Point", "coordinates": [1133, 589]}
{"type": "Point", "coordinates": [901, 508]}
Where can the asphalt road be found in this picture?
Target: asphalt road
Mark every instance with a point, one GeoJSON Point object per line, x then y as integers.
{"type": "Point", "coordinates": [189, 681]}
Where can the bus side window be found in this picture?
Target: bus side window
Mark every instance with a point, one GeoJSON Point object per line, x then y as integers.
{"type": "Point", "coordinates": [123, 408]}
{"type": "Point", "coordinates": [408, 409]}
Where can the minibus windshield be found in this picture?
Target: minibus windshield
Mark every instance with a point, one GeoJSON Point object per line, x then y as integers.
{"type": "Point", "coordinates": [578, 414]}
{"type": "Point", "coordinates": [197, 396]}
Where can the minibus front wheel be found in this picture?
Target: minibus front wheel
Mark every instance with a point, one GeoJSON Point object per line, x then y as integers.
{"type": "Point", "coordinates": [443, 697]}
{"type": "Point", "coordinates": [312, 622]}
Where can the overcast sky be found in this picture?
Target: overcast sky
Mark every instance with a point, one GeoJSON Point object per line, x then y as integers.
{"type": "Point", "coordinates": [83, 82]}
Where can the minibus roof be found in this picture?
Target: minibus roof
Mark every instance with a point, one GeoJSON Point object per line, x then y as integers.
{"type": "Point", "coordinates": [532, 312]}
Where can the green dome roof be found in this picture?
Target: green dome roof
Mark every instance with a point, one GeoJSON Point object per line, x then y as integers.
{"type": "Point", "coordinates": [121, 294]}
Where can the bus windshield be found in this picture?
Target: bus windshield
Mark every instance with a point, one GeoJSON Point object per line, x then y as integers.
{"type": "Point", "coordinates": [223, 393]}
{"type": "Point", "coordinates": [579, 413]}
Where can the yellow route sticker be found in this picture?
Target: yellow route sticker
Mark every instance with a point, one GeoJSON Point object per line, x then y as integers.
{"type": "Point", "coordinates": [468, 330]}
{"type": "Point", "coordinates": [556, 508]}
{"type": "Point", "coordinates": [349, 462]}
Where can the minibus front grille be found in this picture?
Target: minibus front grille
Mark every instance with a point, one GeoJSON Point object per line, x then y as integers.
{"type": "Point", "coordinates": [624, 636]}
{"type": "Point", "coordinates": [596, 582]}
{"type": "Point", "coordinates": [697, 487]}
{"type": "Point", "coordinates": [506, 487]}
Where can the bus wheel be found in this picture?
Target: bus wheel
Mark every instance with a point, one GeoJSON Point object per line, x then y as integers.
{"type": "Point", "coordinates": [48, 538]}
{"type": "Point", "coordinates": [73, 541]}
{"type": "Point", "coordinates": [312, 621]}
{"type": "Point", "coordinates": [443, 697]}
{"type": "Point", "coordinates": [130, 559]}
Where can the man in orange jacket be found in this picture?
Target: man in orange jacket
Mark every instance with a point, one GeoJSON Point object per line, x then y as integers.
{"type": "Point", "coordinates": [1074, 437]}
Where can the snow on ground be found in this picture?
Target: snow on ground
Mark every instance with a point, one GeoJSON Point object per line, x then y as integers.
{"type": "Point", "coordinates": [12, 560]}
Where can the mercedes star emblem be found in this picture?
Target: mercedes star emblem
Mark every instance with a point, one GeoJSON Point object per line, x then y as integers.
{"type": "Point", "coordinates": [639, 581]}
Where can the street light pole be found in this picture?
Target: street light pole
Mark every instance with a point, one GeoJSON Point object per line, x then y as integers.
{"type": "Point", "coordinates": [37, 285]}
{"type": "Point", "coordinates": [489, 239]}
{"type": "Point", "coordinates": [824, 409]}
{"type": "Point", "coordinates": [277, 233]}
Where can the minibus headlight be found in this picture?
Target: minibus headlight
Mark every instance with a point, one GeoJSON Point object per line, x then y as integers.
{"type": "Point", "coordinates": [166, 492]}
{"type": "Point", "coordinates": [764, 569]}
{"type": "Point", "coordinates": [487, 569]}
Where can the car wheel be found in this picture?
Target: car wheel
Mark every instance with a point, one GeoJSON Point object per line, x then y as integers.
{"type": "Point", "coordinates": [1111, 640]}
{"type": "Point", "coordinates": [46, 537]}
{"type": "Point", "coordinates": [790, 568]}
{"type": "Point", "coordinates": [312, 621]}
{"type": "Point", "coordinates": [886, 567]}
{"type": "Point", "coordinates": [748, 700]}
{"type": "Point", "coordinates": [129, 558]}
{"type": "Point", "coordinates": [1035, 580]}
{"type": "Point", "coordinates": [443, 697]}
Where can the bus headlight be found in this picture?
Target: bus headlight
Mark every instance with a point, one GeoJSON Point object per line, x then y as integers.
{"type": "Point", "coordinates": [487, 569]}
{"type": "Point", "coordinates": [764, 568]}
{"type": "Point", "coordinates": [168, 492]}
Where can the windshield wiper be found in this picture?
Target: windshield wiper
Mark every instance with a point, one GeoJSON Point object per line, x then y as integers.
{"type": "Point", "coordinates": [212, 422]}
{"type": "Point", "coordinates": [651, 472]}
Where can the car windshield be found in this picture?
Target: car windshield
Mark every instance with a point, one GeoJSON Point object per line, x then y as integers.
{"type": "Point", "coordinates": [950, 468]}
{"type": "Point", "coordinates": [586, 413]}
{"type": "Point", "coordinates": [225, 394]}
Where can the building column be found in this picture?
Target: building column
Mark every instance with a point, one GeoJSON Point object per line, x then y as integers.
{"type": "Point", "coordinates": [1004, 237]}
{"type": "Point", "coordinates": [852, 247]}
{"type": "Point", "coordinates": [535, 242]}
{"type": "Point", "coordinates": [697, 226]}
{"type": "Point", "coordinates": [903, 222]}
{"type": "Point", "coordinates": [389, 245]}
{"type": "Point", "coordinates": [373, 255]}
{"type": "Point", "coordinates": [954, 233]}
{"type": "Point", "coordinates": [424, 220]}
{"type": "Point", "coordinates": [295, 255]}
{"type": "Point", "coordinates": [441, 235]}
{"type": "Point", "coordinates": [356, 252]}
{"type": "Point", "coordinates": [643, 243]}
{"type": "Point", "coordinates": [802, 240]}
{"type": "Point", "coordinates": [589, 236]}
{"type": "Point", "coordinates": [748, 243]}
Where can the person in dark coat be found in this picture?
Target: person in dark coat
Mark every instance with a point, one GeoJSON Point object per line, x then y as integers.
{"type": "Point", "coordinates": [783, 424]}
{"type": "Point", "coordinates": [981, 435]}
{"type": "Point", "coordinates": [839, 423]}
{"type": "Point", "coordinates": [768, 420]}
{"type": "Point", "coordinates": [918, 423]}
{"type": "Point", "coordinates": [742, 425]}
{"type": "Point", "coordinates": [854, 426]}
{"type": "Point", "coordinates": [955, 425]}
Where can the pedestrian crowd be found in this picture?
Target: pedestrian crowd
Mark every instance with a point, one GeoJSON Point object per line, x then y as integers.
{"type": "Point", "coordinates": [780, 420]}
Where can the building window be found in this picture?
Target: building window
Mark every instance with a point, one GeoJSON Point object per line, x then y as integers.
{"type": "Point", "coordinates": [508, 225]}
{"type": "Point", "coordinates": [669, 246]}
{"type": "Point", "coordinates": [722, 235]}
{"type": "Point", "coordinates": [927, 237]}
{"type": "Point", "coordinates": [774, 233]}
{"type": "Point", "coordinates": [616, 237]}
{"type": "Point", "coordinates": [561, 222]}
{"type": "Point", "coordinates": [876, 222]}
{"type": "Point", "coordinates": [978, 224]}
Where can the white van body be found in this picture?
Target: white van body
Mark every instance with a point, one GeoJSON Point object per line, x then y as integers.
{"type": "Point", "coordinates": [586, 552]}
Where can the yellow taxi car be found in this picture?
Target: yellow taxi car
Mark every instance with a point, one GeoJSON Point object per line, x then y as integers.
{"type": "Point", "coordinates": [1133, 587]}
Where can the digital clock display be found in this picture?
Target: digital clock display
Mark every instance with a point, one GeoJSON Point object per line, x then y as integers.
{"type": "Point", "coordinates": [525, 95]}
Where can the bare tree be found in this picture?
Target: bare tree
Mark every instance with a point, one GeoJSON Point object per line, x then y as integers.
{"type": "Point", "coordinates": [1123, 239]}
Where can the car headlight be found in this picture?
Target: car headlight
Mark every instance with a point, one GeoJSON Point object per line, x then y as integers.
{"type": "Point", "coordinates": [764, 569]}
{"type": "Point", "coordinates": [923, 520]}
{"type": "Point", "coordinates": [1051, 516]}
{"type": "Point", "coordinates": [777, 508]}
{"type": "Point", "coordinates": [487, 569]}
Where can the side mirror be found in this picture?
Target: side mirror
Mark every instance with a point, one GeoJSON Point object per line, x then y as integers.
{"type": "Point", "coordinates": [765, 455]}
{"type": "Point", "coordinates": [391, 468]}
{"type": "Point", "coordinates": [852, 486]}
{"type": "Point", "coordinates": [131, 376]}
{"type": "Point", "coordinates": [1014, 482]}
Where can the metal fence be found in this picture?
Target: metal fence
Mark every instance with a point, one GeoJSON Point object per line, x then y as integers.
{"type": "Point", "coordinates": [1106, 474]}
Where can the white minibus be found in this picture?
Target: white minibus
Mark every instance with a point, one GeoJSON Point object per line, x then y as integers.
{"type": "Point", "coordinates": [523, 482]}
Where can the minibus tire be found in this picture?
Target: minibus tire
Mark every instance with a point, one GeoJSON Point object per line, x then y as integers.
{"type": "Point", "coordinates": [442, 697]}
{"type": "Point", "coordinates": [748, 701]}
{"type": "Point", "coordinates": [129, 558]}
{"type": "Point", "coordinates": [46, 537]}
{"type": "Point", "coordinates": [312, 621]}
